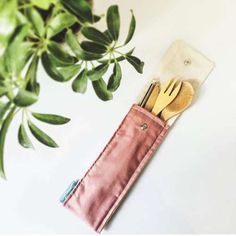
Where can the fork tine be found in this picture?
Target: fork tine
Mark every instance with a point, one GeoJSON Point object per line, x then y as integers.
{"type": "Point", "coordinates": [166, 85]}
{"type": "Point", "coordinates": [170, 88]}
{"type": "Point", "coordinates": [176, 89]}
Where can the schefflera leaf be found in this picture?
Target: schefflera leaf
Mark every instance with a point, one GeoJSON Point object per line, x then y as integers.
{"type": "Point", "coordinates": [41, 136]}
{"type": "Point", "coordinates": [136, 63]}
{"type": "Point", "coordinates": [18, 51]}
{"type": "Point", "coordinates": [95, 35]}
{"type": "Point", "coordinates": [23, 138]}
{"type": "Point", "coordinates": [115, 78]}
{"type": "Point", "coordinates": [100, 88]}
{"type": "Point", "coordinates": [31, 76]}
{"type": "Point", "coordinates": [3, 110]}
{"type": "Point", "coordinates": [35, 20]}
{"type": "Point", "coordinates": [51, 118]}
{"type": "Point", "coordinates": [59, 23]}
{"type": "Point", "coordinates": [132, 27]}
{"type": "Point", "coordinates": [81, 9]}
{"type": "Point", "coordinates": [25, 98]}
{"type": "Point", "coordinates": [60, 55]}
{"type": "Point", "coordinates": [81, 54]}
{"type": "Point", "coordinates": [4, 128]}
{"type": "Point", "coordinates": [3, 90]}
{"type": "Point", "coordinates": [80, 83]}
{"type": "Point", "coordinates": [8, 21]}
{"type": "Point", "coordinates": [45, 4]}
{"type": "Point", "coordinates": [69, 71]}
{"type": "Point", "coordinates": [59, 73]}
{"type": "Point", "coordinates": [97, 72]}
{"type": "Point", "coordinates": [113, 21]}
{"type": "Point", "coordinates": [107, 33]}
{"type": "Point", "coordinates": [93, 47]}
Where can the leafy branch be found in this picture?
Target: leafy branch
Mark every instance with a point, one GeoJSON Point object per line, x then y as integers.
{"type": "Point", "coordinates": [59, 34]}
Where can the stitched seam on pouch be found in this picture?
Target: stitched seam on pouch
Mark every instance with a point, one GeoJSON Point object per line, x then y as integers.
{"type": "Point", "coordinates": [125, 189]}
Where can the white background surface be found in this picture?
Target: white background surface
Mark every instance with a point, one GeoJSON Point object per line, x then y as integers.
{"type": "Point", "coordinates": [190, 184]}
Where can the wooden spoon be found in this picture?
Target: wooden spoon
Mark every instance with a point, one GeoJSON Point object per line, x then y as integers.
{"type": "Point", "coordinates": [182, 101]}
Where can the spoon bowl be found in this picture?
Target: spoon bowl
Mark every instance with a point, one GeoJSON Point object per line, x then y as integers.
{"type": "Point", "coordinates": [182, 101]}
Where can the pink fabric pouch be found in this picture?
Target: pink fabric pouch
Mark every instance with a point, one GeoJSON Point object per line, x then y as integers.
{"type": "Point", "coordinates": [95, 198]}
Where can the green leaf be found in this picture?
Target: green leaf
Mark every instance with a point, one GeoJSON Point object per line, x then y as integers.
{"type": "Point", "coordinates": [108, 35]}
{"type": "Point", "coordinates": [21, 18]}
{"type": "Point", "coordinates": [113, 21]}
{"type": "Point", "coordinates": [60, 74]}
{"type": "Point", "coordinates": [2, 106]}
{"type": "Point", "coordinates": [51, 118]}
{"type": "Point", "coordinates": [59, 23]}
{"type": "Point", "coordinates": [19, 34]}
{"type": "Point", "coordinates": [3, 133]}
{"type": "Point", "coordinates": [69, 71]}
{"type": "Point", "coordinates": [80, 8]}
{"type": "Point", "coordinates": [93, 47]}
{"type": "Point", "coordinates": [60, 54]}
{"type": "Point", "coordinates": [114, 80]}
{"type": "Point", "coordinates": [3, 91]}
{"type": "Point", "coordinates": [23, 138]}
{"type": "Point", "coordinates": [77, 50]}
{"type": "Point", "coordinates": [30, 77]}
{"type": "Point", "coordinates": [24, 53]}
{"type": "Point", "coordinates": [132, 27]}
{"type": "Point", "coordinates": [18, 52]}
{"type": "Point", "coordinates": [97, 72]}
{"type": "Point", "coordinates": [3, 109]}
{"type": "Point", "coordinates": [100, 89]}
{"type": "Point", "coordinates": [43, 4]}
{"type": "Point", "coordinates": [41, 136]}
{"type": "Point", "coordinates": [36, 21]}
{"type": "Point", "coordinates": [50, 68]}
{"type": "Point", "coordinates": [95, 35]}
{"type": "Point", "coordinates": [120, 58]}
{"type": "Point", "coordinates": [25, 98]}
{"type": "Point", "coordinates": [96, 18]}
{"type": "Point", "coordinates": [8, 12]}
{"type": "Point", "coordinates": [3, 72]}
{"type": "Point", "coordinates": [136, 63]}
{"type": "Point", "coordinates": [79, 85]}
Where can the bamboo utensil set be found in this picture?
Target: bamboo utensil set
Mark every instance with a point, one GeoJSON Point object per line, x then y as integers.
{"type": "Point", "coordinates": [173, 98]}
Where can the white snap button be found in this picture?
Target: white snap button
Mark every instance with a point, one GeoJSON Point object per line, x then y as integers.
{"type": "Point", "coordinates": [187, 62]}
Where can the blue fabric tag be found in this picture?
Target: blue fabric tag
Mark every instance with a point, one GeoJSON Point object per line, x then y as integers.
{"type": "Point", "coordinates": [68, 191]}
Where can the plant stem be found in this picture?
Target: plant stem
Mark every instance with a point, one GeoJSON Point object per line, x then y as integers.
{"type": "Point", "coordinates": [86, 65]}
{"type": "Point", "coordinates": [92, 64]}
{"type": "Point", "coordinates": [119, 46]}
{"type": "Point", "coordinates": [113, 55]}
{"type": "Point", "coordinates": [17, 111]}
{"type": "Point", "coordinates": [3, 133]}
{"type": "Point", "coordinates": [27, 113]}
{"type": "Point", "coordinates": [122, 54]}
{"type": "Point", "coordinates": [110, 58]}
{"type": "Point", "coordinates": [22, 116]}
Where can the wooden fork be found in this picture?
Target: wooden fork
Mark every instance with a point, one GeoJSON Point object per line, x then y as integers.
{"type": "Point", "coordinates": [166, 96]}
